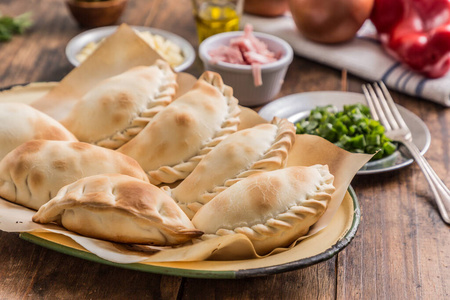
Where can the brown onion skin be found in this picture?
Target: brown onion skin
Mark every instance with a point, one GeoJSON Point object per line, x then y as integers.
{"type": "Point", "coordinates": [330, 21]}
{"type": "Point", "coordinates": [266, 8]}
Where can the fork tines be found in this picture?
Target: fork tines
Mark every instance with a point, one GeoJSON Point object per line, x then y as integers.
{"type": "Point", "coordinates": [382, 106]}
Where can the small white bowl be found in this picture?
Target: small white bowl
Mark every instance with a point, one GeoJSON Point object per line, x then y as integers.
{"type": "Point", "coordinates": [77, 43]}
{"type": "Point", "coordinates": [240, 77]}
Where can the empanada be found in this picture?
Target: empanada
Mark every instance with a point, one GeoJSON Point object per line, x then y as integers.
{"type": "Point", "coordinates": [118, 108]}
{"type": "Point", "coordinates": [261, 148]}
{"type": "Point", "coordinates": [178, 137]}
{"type": "Point", "coordinates": [118, 208]}
{"type": "Point", "coordinates": [272, 209]}
{"type": "Point", "coordinates": [32, 174]}
{"type": "Point", "coordinates": [20, 123]}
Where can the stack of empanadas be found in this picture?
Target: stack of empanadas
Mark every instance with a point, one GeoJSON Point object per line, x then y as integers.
{"type": "Point", "coordinates": [135, 138]}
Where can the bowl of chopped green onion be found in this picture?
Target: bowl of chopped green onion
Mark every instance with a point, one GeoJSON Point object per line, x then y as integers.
{"type": "Point", "coordinates": [352, 129]}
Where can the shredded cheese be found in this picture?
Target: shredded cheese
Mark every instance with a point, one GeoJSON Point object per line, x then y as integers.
{"type": "Point", "coordinates": [168, 50]}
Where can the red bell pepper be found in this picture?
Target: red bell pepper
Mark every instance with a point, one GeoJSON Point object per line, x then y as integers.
{"type": "Point", "coordinates": [416, 32]}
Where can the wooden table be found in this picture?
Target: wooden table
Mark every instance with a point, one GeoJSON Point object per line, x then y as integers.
{"type": "Point", "coordinates": [401, 249]}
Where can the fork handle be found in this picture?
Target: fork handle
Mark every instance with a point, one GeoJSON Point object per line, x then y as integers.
{"type": "Point", "coordinates": [440, 191]}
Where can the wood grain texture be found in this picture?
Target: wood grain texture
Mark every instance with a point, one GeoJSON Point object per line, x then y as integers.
{"type": "Point", "coordinates": [401, 250]}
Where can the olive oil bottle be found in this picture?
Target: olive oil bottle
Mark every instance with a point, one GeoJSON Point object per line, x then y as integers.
{"type": "Point", "coordinates": [214, 17]}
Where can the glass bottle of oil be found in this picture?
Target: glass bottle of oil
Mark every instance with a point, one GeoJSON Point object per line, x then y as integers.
{"type": "Point", "coordinates": [214, 17]}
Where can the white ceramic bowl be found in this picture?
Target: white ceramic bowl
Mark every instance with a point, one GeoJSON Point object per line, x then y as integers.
{"type": "Point", "coordinates": [240, 77]}
{"type": "Point", "coordinates": [95, 35]}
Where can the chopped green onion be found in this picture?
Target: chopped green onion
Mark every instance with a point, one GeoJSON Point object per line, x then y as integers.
{"type": "Point", "coordinates": [352, 129]}
{"type": "Point", "coordinates": [13, 25]}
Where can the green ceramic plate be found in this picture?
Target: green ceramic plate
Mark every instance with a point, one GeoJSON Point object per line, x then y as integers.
{"type": "Point", "coordinates": [321, 246]}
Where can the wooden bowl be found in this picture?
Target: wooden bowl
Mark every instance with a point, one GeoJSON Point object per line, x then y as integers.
{"type": "Point", "coordinates": [96, 14]}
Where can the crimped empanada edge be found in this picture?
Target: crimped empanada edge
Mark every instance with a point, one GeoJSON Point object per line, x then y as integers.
{"type": "Point", "coordinates": [162, 98]}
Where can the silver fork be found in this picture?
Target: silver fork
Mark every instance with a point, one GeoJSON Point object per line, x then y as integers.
{"type": "Point", "coordinates": [383, 109]}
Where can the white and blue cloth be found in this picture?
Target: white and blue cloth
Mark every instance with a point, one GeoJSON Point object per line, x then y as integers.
{"type": "Point", "coordinates": [363, 57]}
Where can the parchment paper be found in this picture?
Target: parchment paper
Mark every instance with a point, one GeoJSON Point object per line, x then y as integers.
{"type": "Point", "coordinates": [120, 52]}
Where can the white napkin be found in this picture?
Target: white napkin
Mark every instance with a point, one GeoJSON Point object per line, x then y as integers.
{"type": "Point", "coordinates": [363, 57]}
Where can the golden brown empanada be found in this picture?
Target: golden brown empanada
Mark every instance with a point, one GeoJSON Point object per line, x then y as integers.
{"type": "Point", "coordinates": [32, 174]}
{"type": "Point", "coordinates": [118, 108]}
{"type": "Point", "coordinates": [261, 148]}
{"type": "Point", "coordinates": [20, 123]}
{"type": "Point", "coordinates": [178, 137]}
{"type": "Point", "coordinates": [272, 209]}
{"type": "Point", "coordinates": [118, 208]}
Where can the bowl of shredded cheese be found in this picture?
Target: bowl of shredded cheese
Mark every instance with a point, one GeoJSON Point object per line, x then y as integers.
{"type": "Point", "coordinates": [177, 51]}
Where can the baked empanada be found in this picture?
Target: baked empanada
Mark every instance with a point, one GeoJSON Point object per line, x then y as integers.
{"type": "Point", "coordinates": [118, 208]}
{"type": "Point", "coordinates": [20, 123]}
{"type": "Point", "coordinates": [272, 209]}
{"type": "Point", "coordinates": [178, 137]}
{"type": "Point", "coordinates": [118, 108]}
{"type": "Point", "coordinates": [33, 173]}
{"type": "Point", "coordinates": [261, 148]}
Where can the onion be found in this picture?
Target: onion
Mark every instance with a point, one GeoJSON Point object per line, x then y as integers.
{"type": "Point", "coordinates": [330, 21]}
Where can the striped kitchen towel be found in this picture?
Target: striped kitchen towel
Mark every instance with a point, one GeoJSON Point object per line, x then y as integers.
{"type": "Point", "coordinates": [363, 57]}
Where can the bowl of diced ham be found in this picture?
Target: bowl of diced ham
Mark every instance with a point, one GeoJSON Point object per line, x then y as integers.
{"type": "Point", "coordinates": [254, 64]}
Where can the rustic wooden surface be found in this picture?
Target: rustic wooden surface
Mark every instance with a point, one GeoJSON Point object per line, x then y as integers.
{"type": "Point", "coordinates": [401, 250]}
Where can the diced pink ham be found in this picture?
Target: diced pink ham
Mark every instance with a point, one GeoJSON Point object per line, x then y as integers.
{"type": "Point", "coordinates": [256, 72]}
{"type": "Point", "coordinates": [227, 54]}
{"type": "Point", "coordinates": [257, 58]}
{"type": "Point", "coordinates": [249, 43]}
{"type": "Point", "coordinates": [245, 50]}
